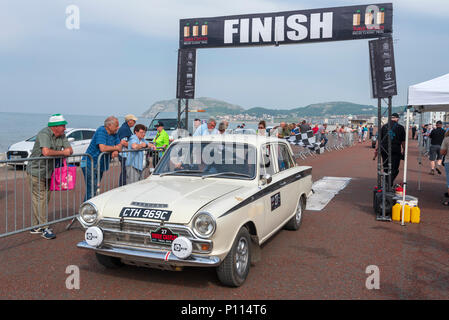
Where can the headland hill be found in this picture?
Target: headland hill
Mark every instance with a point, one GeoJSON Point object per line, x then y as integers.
{"type": "Point", "coordinates": [330, 112]}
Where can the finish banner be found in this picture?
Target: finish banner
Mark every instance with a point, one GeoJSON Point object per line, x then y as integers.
{"type": "Point", "coordinates": [315, 25]}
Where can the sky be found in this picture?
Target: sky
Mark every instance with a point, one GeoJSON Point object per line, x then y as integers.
{"type": "Point", "coordinates": [123, 57]}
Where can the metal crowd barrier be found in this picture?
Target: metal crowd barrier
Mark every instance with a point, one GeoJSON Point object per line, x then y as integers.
{"type": "Point", "coordinates": [16, 195]}
{"type": "Point", "coordinates": [336, 141]}
{"type": "Point", "coordinates": [16, 189]}
{"type": "Point", "coordinates": [111, 178]}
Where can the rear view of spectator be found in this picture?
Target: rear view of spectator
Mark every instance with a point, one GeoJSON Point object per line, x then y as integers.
{"type": "Point", "coordinates": [304, 127]}
{"type": "Point", "coordinates": [443, 152]}
{"type": "Point", "coordinates": [436, 139]}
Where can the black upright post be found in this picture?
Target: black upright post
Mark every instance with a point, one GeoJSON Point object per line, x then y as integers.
{"type": "Point", "coordinates": [379, 146]}
{"type": "Point", "coordinates": [179, 114]}
{"type": "Point", "coordinates": [187, 115]}
{"type": "Point", "coordinates": [389, 145]}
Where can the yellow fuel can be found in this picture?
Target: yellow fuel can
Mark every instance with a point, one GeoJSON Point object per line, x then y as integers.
{"type": "Point", "coordinates": [416, 215]}
{"type": "Point", "coordinates": [396, 212]}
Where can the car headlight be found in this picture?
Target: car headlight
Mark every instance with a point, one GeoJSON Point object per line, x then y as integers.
{"type": "Point", "coordinates": [204, 225]}
{"type": "Point", "coordinates": [88, 213]}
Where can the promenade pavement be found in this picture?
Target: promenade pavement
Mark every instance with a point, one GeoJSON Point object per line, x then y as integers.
{"type": "Point", "coordinates": [326, 259]}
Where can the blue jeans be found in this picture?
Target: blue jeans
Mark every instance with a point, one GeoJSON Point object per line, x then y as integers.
{"type": "Point", "coordinates": [446, 168]}
{"type": "Point", "coordinates": [88, 180]}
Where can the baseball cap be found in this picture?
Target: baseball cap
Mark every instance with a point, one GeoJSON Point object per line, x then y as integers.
{"type": "Point", "coordinates": [56, 120]}
{"type": "Point", "coordinates": [395, 115]}
{"type": "Point", "coordinates": [130, 117]}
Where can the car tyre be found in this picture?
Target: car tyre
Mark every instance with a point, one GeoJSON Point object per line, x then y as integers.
{"type": "Point", "coordinates": [235, 267]}
{"type": "Point", "coordinates": [295, 222]}
{"type": "Point", "coordinates": [109, 262]}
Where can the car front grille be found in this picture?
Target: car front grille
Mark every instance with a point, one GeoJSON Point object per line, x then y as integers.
{"type": "Point", "coordinates": [16, 154]}
{"type": "Point", "coordinates": [138, 234]}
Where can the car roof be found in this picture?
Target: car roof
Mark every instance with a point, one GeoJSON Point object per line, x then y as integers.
{"type": "Point", "coordinates": [238, 138]}
{"type": "Point", "coordinates": [73, 129]}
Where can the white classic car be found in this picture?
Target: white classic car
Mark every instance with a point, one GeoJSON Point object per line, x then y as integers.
{"type": "Point", "coordinates": [210, 202]}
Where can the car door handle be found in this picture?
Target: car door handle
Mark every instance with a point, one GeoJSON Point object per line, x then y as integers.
{"type": "Point", "coordinates": [282, 184]}
{"type": "Point", "coordinates": [298, 176]}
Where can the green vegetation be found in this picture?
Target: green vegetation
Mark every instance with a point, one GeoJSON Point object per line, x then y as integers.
{"type": "Point", "coordinates": [216, 107]}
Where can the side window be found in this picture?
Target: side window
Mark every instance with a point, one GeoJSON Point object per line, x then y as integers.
{"type": "Point", "coordinates": [87, 134]}
{"type": "Point", "coordinates": [76, 135]}
{"type": "Point", "coordinates": [285, 161]}
{"type": "Point", "coordinates": [267, 161]}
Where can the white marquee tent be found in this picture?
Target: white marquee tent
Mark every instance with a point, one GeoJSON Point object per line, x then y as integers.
{"type": "Point", "coordinates": [432, 95]}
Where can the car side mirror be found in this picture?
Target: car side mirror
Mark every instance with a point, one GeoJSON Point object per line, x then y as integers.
{"type": "Point", "coordinates": [71, 139]}
{"type": "Point", "coordinates": [266, 179]}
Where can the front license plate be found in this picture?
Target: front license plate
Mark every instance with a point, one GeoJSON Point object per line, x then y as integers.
{"type": "Point", "coordinates": [163, 235]}
{"type": "Point", "coordinates": [156, 214]}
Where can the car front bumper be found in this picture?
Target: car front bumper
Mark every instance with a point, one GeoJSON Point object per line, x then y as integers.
{"type": "Point", "coordinates": [153, 257]}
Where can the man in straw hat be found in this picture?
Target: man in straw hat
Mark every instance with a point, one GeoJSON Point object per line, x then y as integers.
{"type": "Point", "coordinates": [124, 133]}
{"type": "Point", "coordinates": [50, 142]}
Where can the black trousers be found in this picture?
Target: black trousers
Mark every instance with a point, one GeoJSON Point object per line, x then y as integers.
{"type": "Point", "coordinates": [395, 163]}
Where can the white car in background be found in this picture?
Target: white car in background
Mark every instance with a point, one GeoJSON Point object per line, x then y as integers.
{"type": "Point", "coordinates": [79, 139]}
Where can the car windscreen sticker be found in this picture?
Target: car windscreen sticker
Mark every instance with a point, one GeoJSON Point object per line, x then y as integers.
{"type": "Point", "coordinates": [156, 214]}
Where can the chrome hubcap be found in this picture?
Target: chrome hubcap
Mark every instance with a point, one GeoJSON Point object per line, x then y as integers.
{"type": "Point", "coordinates": [241, 256]}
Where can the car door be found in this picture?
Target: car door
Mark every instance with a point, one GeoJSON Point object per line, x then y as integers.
{"type": "Point", "coordinates": [271, 190]}
{"type": "Point", "coordinates": [289, 177]}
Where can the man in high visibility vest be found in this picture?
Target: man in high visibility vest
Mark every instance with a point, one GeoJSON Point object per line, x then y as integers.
{"type": "Point", "coordinates": [160, 141]}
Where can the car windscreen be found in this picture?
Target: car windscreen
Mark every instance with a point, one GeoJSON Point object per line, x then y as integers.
{"type": "Point", "coordinates": [32, 139]}
{"type": "Point", "coordinates": [214, 159]}
{"type": "Point", "coordinates": [169, 124]}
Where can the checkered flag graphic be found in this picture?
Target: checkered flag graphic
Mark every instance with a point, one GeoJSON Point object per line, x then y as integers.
{"type": "Point", "coordinates": [307, 140]}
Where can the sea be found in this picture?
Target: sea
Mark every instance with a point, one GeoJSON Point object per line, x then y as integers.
{"type": "Point", "coordinates": [15, 127]}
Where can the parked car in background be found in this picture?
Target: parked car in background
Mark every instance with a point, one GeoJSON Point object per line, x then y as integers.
{"type": "Point", "coordinates": [212, 201]}
{"type": "Point", "coordinates": [170, 121]}
{"type": "Point", "coordinates": [79, 139]}
{"type": "Point", "coordinates": [243, 131]}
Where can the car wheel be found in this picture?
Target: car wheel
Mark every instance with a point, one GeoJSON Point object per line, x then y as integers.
{"type": "Point", "coordinates": [235, 267]}
{"type": "Point", "coordinates": [295, 221]}
{"type": "Point", "coordinates": [109, 262]}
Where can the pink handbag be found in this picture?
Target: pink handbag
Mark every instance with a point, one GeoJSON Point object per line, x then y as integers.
{"type": "Point", "coordinates": [63, 178]}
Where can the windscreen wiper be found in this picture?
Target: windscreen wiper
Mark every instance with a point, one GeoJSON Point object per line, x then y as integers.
{"type": "Point", "coordinates": [179, 171]}
{"type": "Point", "coordinates": [225, 173]}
